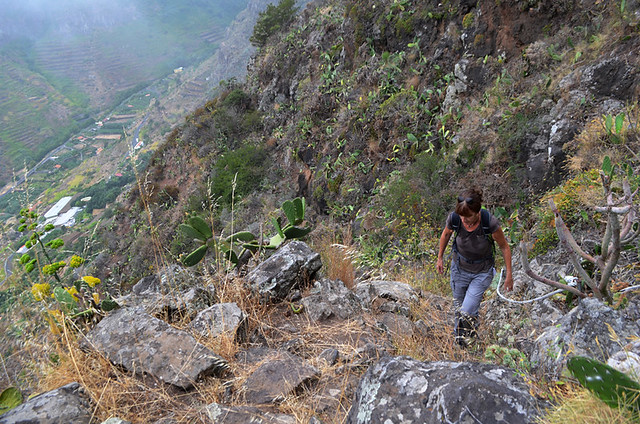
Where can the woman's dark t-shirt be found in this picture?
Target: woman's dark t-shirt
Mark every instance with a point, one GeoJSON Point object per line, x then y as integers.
{"type": "Point", "coordinates": [474, 246]}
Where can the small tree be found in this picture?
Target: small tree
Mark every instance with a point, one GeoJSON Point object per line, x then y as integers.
{"type": "Point", "coordinates": [272, 20]}
{"type": "Point", "coordinates": [622, 227]}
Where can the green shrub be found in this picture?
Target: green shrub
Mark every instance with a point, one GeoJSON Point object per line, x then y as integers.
{"type": "Point", "coordinates": [245, 165]}
{"type": "Point", "coordinates": [273, 20]}
{"type": "Point", "coordinates": [418, 190]}
{"type": "Point", "coordinates": [574, 198]}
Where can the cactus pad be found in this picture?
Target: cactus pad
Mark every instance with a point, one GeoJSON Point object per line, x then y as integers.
{"type": "Point", "coordinates": [10, 398]}
{"type": "Point", "coordinates": [610, 385]}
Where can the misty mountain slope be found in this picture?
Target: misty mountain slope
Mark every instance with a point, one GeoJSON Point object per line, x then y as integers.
{"type": "Point", "coordinates": [32, 108]}
{"type": "Point", "coordinates": [91, 54]}
{"type": "Point", "coordinates": [375, 110]}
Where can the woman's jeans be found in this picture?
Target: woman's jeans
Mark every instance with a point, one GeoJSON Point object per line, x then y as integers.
{"type": "Point", "coordinates": [468, 289]}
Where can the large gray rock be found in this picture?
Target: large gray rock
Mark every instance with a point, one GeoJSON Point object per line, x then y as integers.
{"type": "Point", "coordinates": [612, 77]}
{"type": "Point", "coordinates": [586, 331]}
{"type": "Point", "coordinates": [174, 292]}
{"type": "Point", "coordinates": [141, 343]}
{"type": "Point", "coordinates": [389, 296]}
{"type": "Point", "coordinates": [396, 325]}
{"type": "Point", "coordinates": [627, 360]}
{"type": "Point", "coordinates": [397, 291]}
{"type": "Point", "coordinates": [404, 390]}
{"type": "Point", "coordinates": [277, 378]}
{"type": "Point", "coordinates": [331, 299]}
{"type": "Point", "coordinates": [221, 318]}
{"type": "Point", "coordinates": [221, 414]}
{"type": "Point", "coordinates": [293, 265]}
{"type": "Point", "coordinates": [67, 404]}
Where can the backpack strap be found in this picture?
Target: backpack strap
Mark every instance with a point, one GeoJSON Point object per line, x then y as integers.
{"type": "Point", "coordinates": [485, 221]}
{"type": "Point", "coordinates": [455, 222]}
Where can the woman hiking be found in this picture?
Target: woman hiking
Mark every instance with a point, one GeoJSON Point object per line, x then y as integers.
{"type": "Point", "coordinates": [473, 261]}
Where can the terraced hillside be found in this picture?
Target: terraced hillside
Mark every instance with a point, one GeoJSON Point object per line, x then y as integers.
{"type": "Point", "coordinates": [62, 67]}
{"type": "Point", "coordinates": [33, 115]}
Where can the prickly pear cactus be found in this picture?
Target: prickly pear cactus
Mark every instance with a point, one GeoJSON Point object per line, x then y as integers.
{"type": "Point", "coordinates": [610, 385]}
{"type": "Point", "coordinates": [197, 229]}
{"type": "Point", "coordinates": [236, 245]}
{"type": "Point", "coordinates": [9, 399]}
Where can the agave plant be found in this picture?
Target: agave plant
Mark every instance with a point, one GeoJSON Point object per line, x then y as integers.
{"type": "Point", "coordinates": [235, 246]}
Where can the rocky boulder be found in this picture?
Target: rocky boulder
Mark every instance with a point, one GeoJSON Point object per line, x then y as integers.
{"type": "Point", "coordinates": [627, 360]}
{"type": "Point", "coordinates": [387, 296]}
{"type": "Point", "coordinates": [141, 343]}
{"type": "Point", "coordinates": [591, 329]}
{"type": "Point", "coordinates": [221, 318]}
{"type": "Point", "coordinates": [67, 404]}
{"type": "Point", "coordinates": [294, 265]}
{"type": "Point", "coordinates": [173, 292]}
{"type": "Point", "coordinates": [402, 389]}
{"type": "Point", "coordinates": [221, 414]}
{"type": "Point", "coordinates": [331, 299]}
{"type": "Point", "coordinates": [613, 77]}
{"type": "Point", "coordinates": [278, 377]}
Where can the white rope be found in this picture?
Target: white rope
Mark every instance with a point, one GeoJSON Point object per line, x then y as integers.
{"type": "Point", "coordinates": [523, 301]}
{"type": "Point", "coordinates": [571, 280]}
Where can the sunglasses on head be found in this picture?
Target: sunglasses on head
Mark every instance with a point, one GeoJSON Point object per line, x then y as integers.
{"type": "Point", "coordinates": [469, 200]}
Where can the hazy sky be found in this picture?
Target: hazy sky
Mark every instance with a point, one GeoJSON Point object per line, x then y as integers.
{"type": "Point", "coordinates": [32, 18]}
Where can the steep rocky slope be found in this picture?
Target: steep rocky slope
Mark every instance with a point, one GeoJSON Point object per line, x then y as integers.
{"type": "Point", "coordinates": [372, 110]}
{"type": "Point", "coordinates": [377, 113]}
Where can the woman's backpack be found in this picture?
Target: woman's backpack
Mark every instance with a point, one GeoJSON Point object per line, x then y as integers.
{"type": "Point", "coordinates": [485, 219]}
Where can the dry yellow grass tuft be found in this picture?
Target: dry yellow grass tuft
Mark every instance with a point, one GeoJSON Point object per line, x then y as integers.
{"type": "Point", "coordinates": [337, 254]}
{"type": "Point", "coordinates": [575, 404]}
{"type": "Point", "coordinates": [594, 142]}
{"type": "Point", "coordinates": [117, 393]}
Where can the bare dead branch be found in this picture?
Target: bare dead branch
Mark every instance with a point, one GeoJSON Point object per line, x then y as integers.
{"type": "Point", "coordinates": [613, 255]}
{"type": "Point", "coordinates": [524, 253]}
{"type": "Point", "coordinates": [564, 233]}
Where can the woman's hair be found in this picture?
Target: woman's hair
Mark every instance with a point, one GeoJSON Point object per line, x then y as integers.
{"type": "Point", "coordinates": [469, 202]}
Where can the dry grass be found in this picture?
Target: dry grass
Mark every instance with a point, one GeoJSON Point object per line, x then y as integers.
{"type": "Point", "coordinates": [576, 405]}
{"type": "Point", "coordinates": [594, 143]}
{"type": "Point", "coordinates": [336, 250]}
{"type": "Point", "coordinates": [423, 276]}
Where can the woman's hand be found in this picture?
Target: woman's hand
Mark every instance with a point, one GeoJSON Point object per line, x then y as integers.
{"type": "Point", "coordinates": [508, 282]}
{"type": "Point", "coordinates": [442, 245]}
{"type": "Point", "coordinates": [440, 266]}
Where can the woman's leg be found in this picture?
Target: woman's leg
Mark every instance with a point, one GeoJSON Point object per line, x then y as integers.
{"type": "Point", "coordinates": [468, 290]}
{"type": "Point", "coordinates": [460, 281]}
{"type": "Point", "coordinates": [478, 284]}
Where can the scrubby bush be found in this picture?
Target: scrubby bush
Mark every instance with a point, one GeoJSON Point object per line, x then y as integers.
{"type": "Point", "coordinates": [272, 20]}
{"type": "Point", "coordinates": [243, 168]}
{"type": "Point", "coordinates": [418, 191]}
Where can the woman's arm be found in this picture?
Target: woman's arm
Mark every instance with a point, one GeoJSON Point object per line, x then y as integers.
{"type": "Point", "coordinates": [499, 237]}
{"type": "Point", "coordinates": [444, 240]}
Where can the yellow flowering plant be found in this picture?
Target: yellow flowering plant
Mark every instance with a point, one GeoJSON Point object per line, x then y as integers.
{"type": "Point", "coordinates": [82, 298]}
